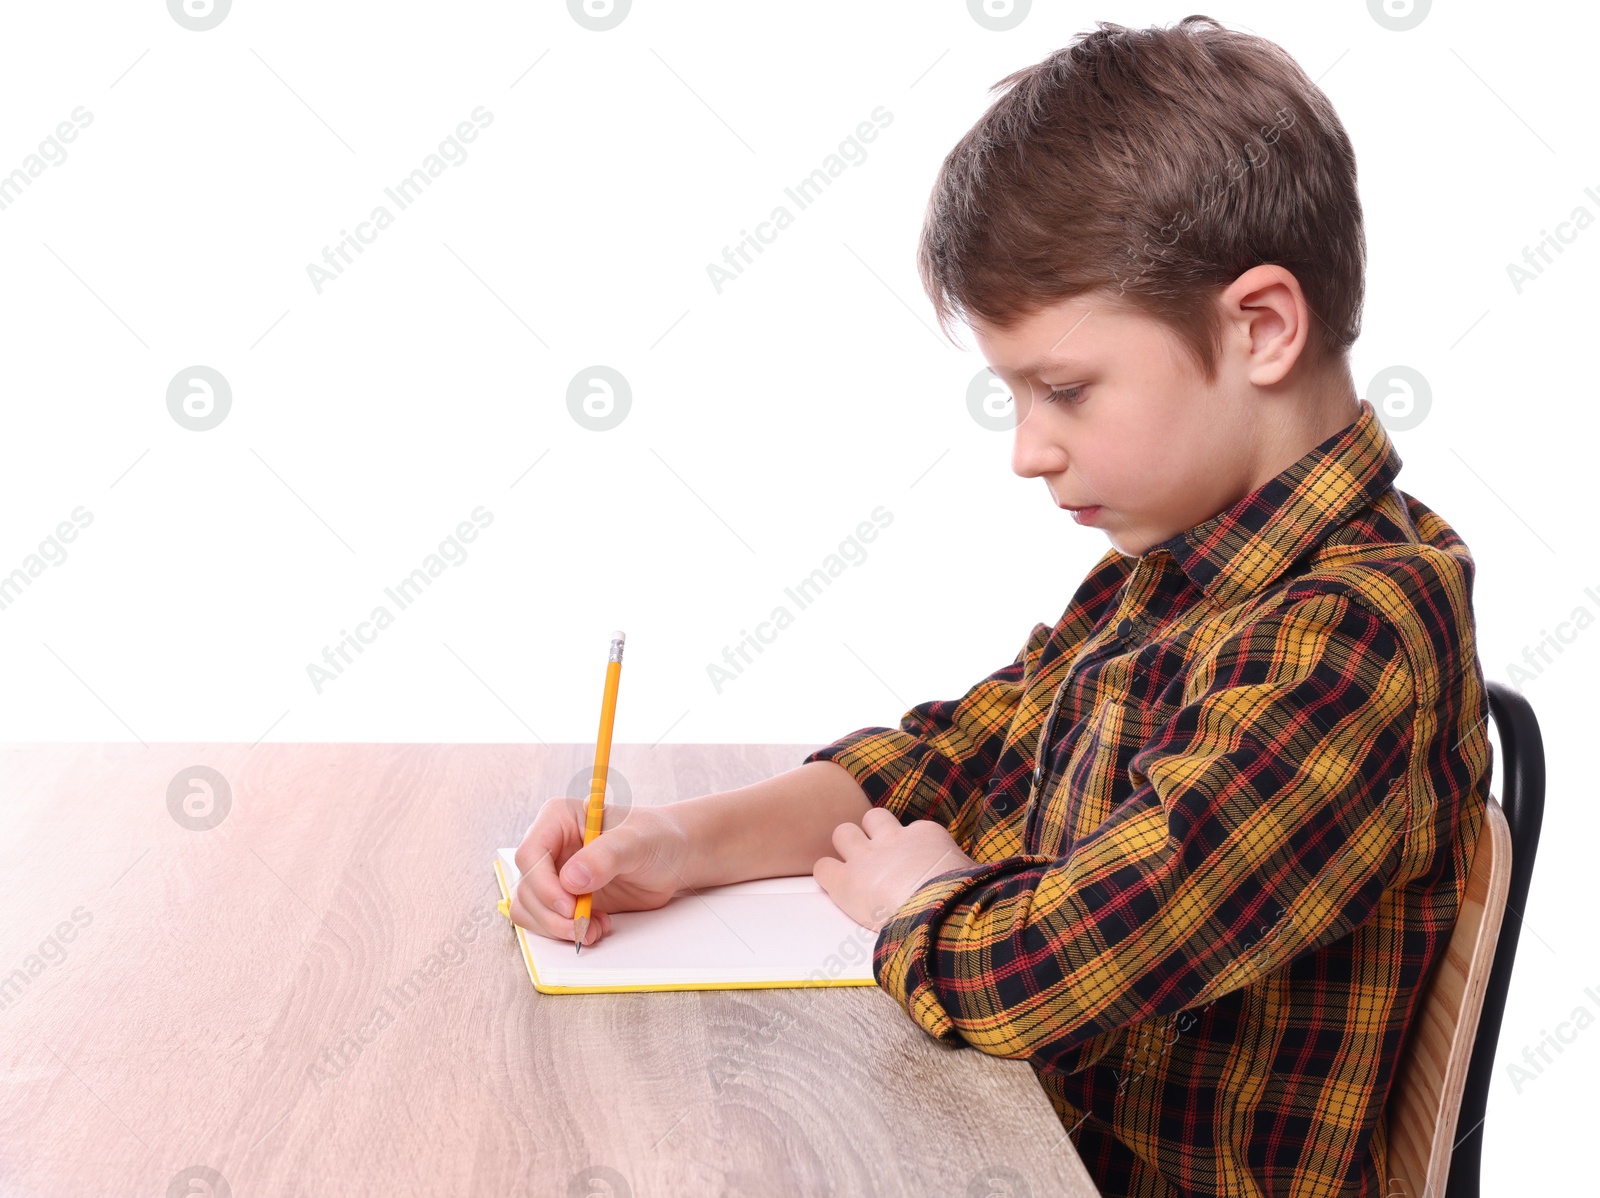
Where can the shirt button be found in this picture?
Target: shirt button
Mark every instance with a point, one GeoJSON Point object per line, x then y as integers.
{"type": "Point", "coordinates": [1124, 628]}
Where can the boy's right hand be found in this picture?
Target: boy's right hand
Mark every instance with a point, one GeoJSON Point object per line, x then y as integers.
{"type": "Point", "coordinates": [636, 864]}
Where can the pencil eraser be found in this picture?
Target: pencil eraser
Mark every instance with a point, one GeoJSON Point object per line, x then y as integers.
{"type": "Point", "coordinates": [617, 635]}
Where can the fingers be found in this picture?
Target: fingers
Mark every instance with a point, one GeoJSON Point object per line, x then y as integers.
{"type": "Point", "coordinates": [543, 888]}
{"type": "Point", "coordinates": [607, 855]}
{"type": "Point", "coordinates": [556, 829]}
{"type": "Point", "coordinates": [827, 871]}
{"type": "Point", "coordinates": [848, 840]}
{"type": "Point", "coordinates": [540, 903]}
{"type": "Point", "coordinates": [537, 917]}
{"type": "Point", "coordinates": [849, 837]}
{"type": "Point", "coordinates": [549, 841]}
{"type": "Point", "coordinates": [878, 820]}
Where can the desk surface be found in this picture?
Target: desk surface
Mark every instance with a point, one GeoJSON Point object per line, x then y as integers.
{"type": "Point", "coordinates": [300, 982]}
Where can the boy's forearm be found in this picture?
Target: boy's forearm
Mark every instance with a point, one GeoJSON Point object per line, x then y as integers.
{"type": "Point", "coordinates": [772, 828]}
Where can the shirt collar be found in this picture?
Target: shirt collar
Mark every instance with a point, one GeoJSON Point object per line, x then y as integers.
{"type": "Point", "coordinates": [1246, 547]}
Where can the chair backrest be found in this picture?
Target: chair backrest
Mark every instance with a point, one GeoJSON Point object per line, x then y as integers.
{"type": "Point", "coordinates": [1429, 1101]}
{"type": "Point", "coordinates": [1425, 1101]}
{"type": "Point", "coordinates": [1522, 800]}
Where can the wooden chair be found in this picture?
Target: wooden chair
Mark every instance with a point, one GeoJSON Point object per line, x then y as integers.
{"type": "Point", "coordinates": [1444, 1071]}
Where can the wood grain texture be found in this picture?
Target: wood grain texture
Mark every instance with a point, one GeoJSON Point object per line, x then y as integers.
{"type": "Point", "coordinates": [316, 995]}
{"type": "Point", "coordinates": [1426, 1099]}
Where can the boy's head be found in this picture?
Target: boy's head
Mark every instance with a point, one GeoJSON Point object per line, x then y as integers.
{"type": "Point", "coordinates": [1175, 212]}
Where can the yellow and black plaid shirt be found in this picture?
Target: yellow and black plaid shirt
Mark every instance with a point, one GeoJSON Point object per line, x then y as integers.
{"type": "Point", "coordinates": [1207, 924]}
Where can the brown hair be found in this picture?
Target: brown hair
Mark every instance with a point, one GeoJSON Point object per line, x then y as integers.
{"type": "Point", "coordinates": [1156, 165]}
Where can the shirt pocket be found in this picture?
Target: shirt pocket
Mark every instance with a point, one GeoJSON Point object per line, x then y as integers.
{"type": "Point", "coordinates": [1091, 774]}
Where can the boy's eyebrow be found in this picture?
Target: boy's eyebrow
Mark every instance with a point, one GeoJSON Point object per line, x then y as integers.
{"type": "Point", "coordinates": [1034, 368]}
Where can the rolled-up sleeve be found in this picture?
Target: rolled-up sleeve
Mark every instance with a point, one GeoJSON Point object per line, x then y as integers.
{"type": "Point", "coordinates": [1267, 816]}
{"type": "Point", "coordinates": [944, 750]}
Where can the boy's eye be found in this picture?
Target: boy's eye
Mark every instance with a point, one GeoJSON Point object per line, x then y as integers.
{"type": "Point", "coordinates": [1065, 395]}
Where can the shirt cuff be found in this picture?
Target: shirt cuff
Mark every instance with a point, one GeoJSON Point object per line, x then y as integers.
{"type": "Point", "coordinates": [892, 768]}
{"type": "Point", "coordinates": [905, 954]}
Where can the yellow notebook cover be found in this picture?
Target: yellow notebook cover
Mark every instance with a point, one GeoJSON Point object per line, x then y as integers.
{"type": "Point", "coordinates": [764, 934]}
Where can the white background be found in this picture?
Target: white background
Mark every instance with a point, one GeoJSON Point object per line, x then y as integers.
{"type": "Point", "coordinates": [767, 421]}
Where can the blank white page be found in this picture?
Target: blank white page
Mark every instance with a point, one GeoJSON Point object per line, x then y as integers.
{"type": "Point", "coordinates": [766, 932]}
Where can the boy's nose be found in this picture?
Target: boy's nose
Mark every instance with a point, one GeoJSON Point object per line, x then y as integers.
{"type": "Point", "coordinates": [1034, 453]}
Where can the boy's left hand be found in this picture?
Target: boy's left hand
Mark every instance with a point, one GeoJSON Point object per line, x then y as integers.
{"type": "Point", "coordinates": [882, 862]}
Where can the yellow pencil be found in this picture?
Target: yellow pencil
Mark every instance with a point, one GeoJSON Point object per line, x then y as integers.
{"type": "Point", "coordinates": [597, 784]}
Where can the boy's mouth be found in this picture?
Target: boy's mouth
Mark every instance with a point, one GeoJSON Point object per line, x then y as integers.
{"type": "Point", "coordinates": [1084, 515]}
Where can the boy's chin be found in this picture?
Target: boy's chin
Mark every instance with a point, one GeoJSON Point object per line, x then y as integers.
{"type": "Point", "coordinates": [1127, 542]}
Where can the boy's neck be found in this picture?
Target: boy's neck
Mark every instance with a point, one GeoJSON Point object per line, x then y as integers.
{"type": "Point", "coordinates": [1295, 424]}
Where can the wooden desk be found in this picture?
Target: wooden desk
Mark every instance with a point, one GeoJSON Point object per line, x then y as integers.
{"type": "Point", "coordinates": [316, 995]}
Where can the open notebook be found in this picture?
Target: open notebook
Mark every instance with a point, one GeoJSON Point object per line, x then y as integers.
{"type": "Point", "coordinates": [762, 934]}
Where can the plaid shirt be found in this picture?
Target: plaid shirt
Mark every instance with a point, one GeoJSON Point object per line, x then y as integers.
{"type": "Point", "coordinates": [1208, 924]}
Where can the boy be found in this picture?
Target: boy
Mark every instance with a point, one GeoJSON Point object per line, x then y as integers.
{"type": "Point", "coordinates": [1194, 851]}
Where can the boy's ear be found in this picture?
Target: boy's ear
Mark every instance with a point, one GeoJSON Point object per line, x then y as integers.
{"type": "Point", "coordinates": [1269, 319]}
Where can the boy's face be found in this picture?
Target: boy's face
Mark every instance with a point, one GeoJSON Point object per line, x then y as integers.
{"type": "Point", "coordinates": [1134, 429]}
